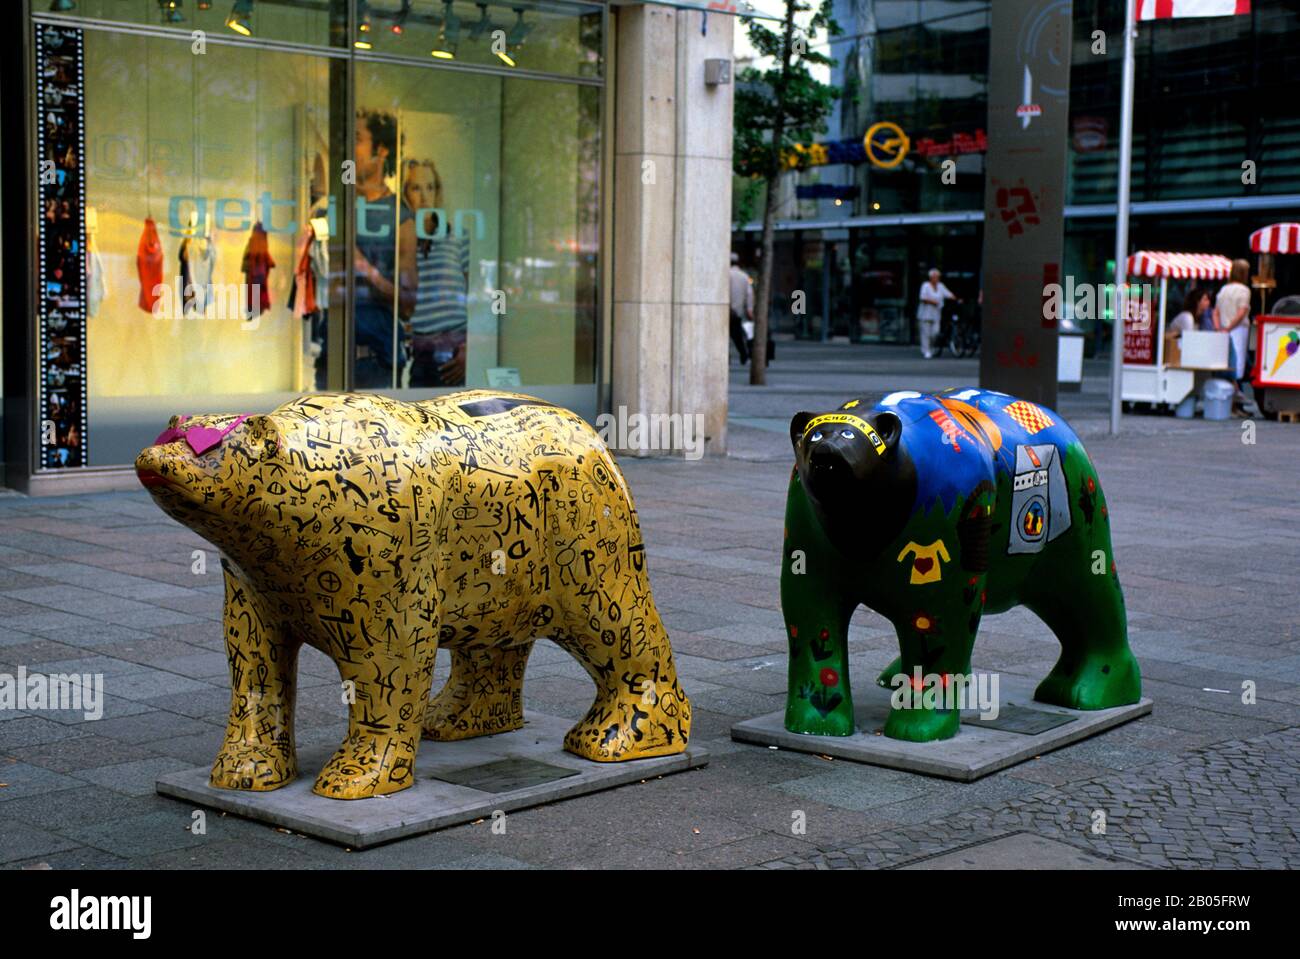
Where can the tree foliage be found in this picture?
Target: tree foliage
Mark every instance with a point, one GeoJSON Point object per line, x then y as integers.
{"type": "Point", "coordinates": [806, 102]}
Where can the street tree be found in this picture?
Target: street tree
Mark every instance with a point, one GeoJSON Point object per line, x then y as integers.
{"type": "Point", "coordinates": [779, 105]}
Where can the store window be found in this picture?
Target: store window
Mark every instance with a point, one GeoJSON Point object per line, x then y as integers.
{"type": "Point", "coordinates": [201, 177]}
{"type": "Point", "coordinates": [230, 224]}
{"type": "Point", "coordinates": [487, 276]}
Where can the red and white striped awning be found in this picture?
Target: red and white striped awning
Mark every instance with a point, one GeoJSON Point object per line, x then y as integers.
{"type": "Point", "coordinates": [1278, 238]}
{"type": "Point", "coordinates": [1176, 9]}
{"type": "Point", "coordinates": [1180, 266]}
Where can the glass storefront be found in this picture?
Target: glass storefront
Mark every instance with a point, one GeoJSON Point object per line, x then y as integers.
{"type": "Point", "coordinates": [255, 200]}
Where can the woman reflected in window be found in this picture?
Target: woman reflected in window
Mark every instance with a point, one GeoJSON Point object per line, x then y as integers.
{"type": "Point", "coordinates": [440, 321]}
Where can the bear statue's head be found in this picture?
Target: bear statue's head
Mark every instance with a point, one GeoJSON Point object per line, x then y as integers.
{"type": "Point", "coordinates": [856, 473]}
{"type": "Point", "coordinates": [216, 474]}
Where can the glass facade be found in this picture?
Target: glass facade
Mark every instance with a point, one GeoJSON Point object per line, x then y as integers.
{"type": "Point", "coordinates": [1210, 95]}
{"type": "Point", "coordinates": [285, 196]}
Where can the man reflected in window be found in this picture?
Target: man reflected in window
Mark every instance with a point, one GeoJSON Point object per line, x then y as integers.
{"type": "Point", "coordinates": [383, 250]}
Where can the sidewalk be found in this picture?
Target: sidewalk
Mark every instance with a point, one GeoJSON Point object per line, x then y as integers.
{"type": "Point", "coordinates": [1207, 536]}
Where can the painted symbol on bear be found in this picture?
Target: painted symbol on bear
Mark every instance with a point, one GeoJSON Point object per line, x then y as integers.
{"type": "Point", "coordinates": [1033, 519]}
{"type": "Point", "coordinates": [1029, 415]}
{"type": "Point", "coordinates": [1040, 502]}
{"type": "Point", "coordinates": [951, 431]}
{"type": "Point", "coordinates": [926, 565]}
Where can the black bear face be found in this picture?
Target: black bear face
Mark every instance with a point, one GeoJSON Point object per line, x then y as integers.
{"type": "Point", "coordinates": [840, 452]}
{"type": "Point", "coordinates": [859, 479]}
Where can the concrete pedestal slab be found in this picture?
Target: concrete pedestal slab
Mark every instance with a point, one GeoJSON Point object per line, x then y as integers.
{"type": "Point", "coordinates": [456, 782]}
{"type": "Point", "coordinates": [1023, 729]}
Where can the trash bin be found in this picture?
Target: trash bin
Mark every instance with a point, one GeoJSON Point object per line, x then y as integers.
{"type": "Point", "coordinates": [1187, 408]}
{"type": "Point", "coordinates": [1217, 397]}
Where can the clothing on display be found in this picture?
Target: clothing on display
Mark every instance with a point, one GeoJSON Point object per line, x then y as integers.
{"type": "Point", "coordinates": [149, 264]}
{"type": "Point", "coordinates": [257, 267]}
{"type": "Point", "coordinates": [187, 280]}
{"type": "Point", "coordinates": [443, 265]}
{"type": "Point", "coordinates": [202, 263]}
{"type": "Point", "coordinates": [303, 296]}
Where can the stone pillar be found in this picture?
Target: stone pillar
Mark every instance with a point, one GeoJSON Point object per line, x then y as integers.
{"type": "Point", "coordinates": [672, 218]}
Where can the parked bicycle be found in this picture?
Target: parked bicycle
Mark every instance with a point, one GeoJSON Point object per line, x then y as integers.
{"type": "Point", "coordinates": [959, 333]}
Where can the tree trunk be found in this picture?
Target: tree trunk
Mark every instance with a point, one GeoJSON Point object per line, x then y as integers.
{"type": "Point", "coordinates": [763, 296]}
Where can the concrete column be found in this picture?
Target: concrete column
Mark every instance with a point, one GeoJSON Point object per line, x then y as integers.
{"type": "Point", "coordinates": [672, 218]}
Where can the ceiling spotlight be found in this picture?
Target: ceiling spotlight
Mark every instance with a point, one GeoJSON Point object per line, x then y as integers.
{"type": "Point", "coordinates": [171, 11]}
{"type": "Point", "coordinates": [520, 30]}
{"type": "Point", "coordinates": [240, 15]}
{"type": "Point", "coordinates": [482, 24]}
{"type": "Point", "coordinates": [204, 4]}
{"type": "Point", "coordinates": [515, 38]}
{"type": "Point", "coordinates": [362, 42]}
{"type": "Point", "coordinates": [399, 20]}
{"type": "Point", "coordinates": [448, 36]}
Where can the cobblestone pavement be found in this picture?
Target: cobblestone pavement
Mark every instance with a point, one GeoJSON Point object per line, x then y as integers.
{"type": "Point", "coordinates": [1207, 538]}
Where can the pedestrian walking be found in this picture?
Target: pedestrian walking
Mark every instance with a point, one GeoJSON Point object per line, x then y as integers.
{"type": "Point", "coordinates": [930, 311]}
{"type": "Point", "coordinates": [742, 307]}
{"type": "Point", "coordinates": [1232, 316]}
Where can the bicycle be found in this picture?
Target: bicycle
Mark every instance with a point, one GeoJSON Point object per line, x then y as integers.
{"type": "Point", "coordinates": [962, 337]}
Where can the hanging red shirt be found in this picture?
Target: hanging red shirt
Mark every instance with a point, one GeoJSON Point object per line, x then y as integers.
{"type": "Point", "coordinates": [149, 262]}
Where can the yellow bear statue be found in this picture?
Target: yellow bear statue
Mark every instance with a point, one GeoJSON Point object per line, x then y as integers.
{"type": "Point", "coordinates": [377, 531]}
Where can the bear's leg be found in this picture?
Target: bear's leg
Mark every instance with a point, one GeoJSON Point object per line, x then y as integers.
{"type": "Point", "coordinates": [640, 710]}
{"type": "Point", "coordinates": [390, 686]}
{"type": "Point", "coordinates": [817, 603]}
{"type": "Point", "coordinates": [935, 641]}
{"type": "Point", "coordinates": [1096, 669]}
{"type": "Point", "coordinates": [258, 751]}
{"type": "Point", "coordinates": [483, 695]}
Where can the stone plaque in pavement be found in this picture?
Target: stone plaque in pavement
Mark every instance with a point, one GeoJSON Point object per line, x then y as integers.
{"type": "Point", "coordinates": [1026, 720]}
{"type": "Point", "coordinates": [506, 775]}
{"type": "Point", "coordinates": [976, 751]}
{"type": "Point", "coordinates": [456, 782]}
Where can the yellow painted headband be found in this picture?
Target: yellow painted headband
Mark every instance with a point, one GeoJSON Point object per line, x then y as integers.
{"type": "Point", "coordinates": [867, 429]}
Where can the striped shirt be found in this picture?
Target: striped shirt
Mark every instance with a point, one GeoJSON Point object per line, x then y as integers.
{"type": "Point", "coordinates": [440, 303]}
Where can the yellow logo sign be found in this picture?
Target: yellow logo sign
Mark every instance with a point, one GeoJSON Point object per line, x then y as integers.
{"type": "Point", "coordinates": [886, 144]}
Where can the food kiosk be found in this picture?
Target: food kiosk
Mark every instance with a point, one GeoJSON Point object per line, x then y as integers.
{"type": "Point", "coordinates": [1276, 373]}
{"type": "Point", "coordinates": [1151, 374]}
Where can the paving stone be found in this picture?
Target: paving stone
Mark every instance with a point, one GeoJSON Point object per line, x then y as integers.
{"type": "Point", "coordinates": [22, 841]}
{"type": "Point", "coordinates": [136, 778]}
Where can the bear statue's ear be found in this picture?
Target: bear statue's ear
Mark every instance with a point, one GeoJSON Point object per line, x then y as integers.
{"type": "Point", "coordinates": [796, 427]}
{"type": "Point", "coordinates": [889, 426]}
{"type": "Point", "coordinates": [263, 431]}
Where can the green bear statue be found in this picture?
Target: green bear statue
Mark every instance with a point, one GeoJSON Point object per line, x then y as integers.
{"type": "Point", "coordinates": [933, 509]}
